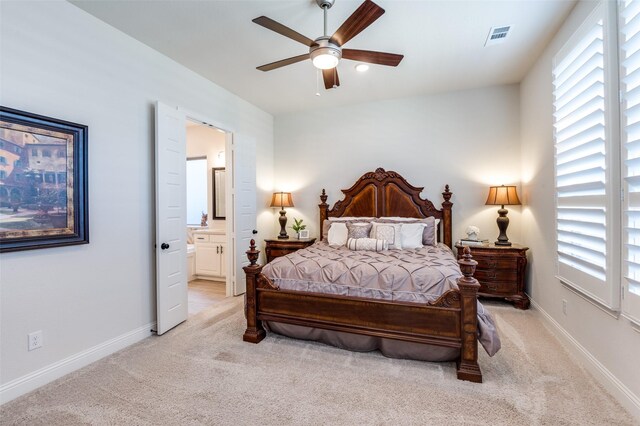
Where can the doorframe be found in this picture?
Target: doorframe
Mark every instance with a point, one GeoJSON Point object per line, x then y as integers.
{"type": "Point", "coordinates": [228, 198]}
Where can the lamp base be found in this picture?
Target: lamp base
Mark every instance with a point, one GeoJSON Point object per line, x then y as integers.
{"type": "Point", "coordinates": [283, 223]}
{"type": "Point", "coordinates": [503, 223]}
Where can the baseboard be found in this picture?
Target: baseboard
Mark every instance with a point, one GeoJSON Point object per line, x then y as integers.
{"type": "Point", "coordinates": [611, 383]}
{"type": "Point", "coordinates": [41, 377]}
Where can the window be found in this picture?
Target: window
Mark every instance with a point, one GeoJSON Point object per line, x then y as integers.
{"type": "Point", "coordinates": [3, 174]}
{"type": "Point", "coordinates": [46, 153]}
{"type": "Point", "coordinates": [34, 152]}
{"type": "Point", "coordinates": [61, 153]}
{"type": "Point", "coordinates": [3, 160]}
{"type": "Point", "coordinates": [197, 194]}
{"type": "Point", "coordinates": [630, 136]}
{"type": "Point", "coordinates": [584, 136]}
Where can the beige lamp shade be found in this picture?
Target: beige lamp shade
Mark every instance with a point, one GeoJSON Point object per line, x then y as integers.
{"type": "Point", "coordinates": [281, 199]}
{"type": "Point", "coordinates": [503, 196]}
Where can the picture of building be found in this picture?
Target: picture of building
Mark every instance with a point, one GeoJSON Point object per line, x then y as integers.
{"type": "Point", "coordinates": [33, 181]}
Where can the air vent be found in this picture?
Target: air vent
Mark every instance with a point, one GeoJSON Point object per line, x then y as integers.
{"type": "Point", "coordinates": [497, 35]}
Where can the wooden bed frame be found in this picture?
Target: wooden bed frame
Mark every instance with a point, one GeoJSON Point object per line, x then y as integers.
{"type": "Point", "coordinates": [450, 321]}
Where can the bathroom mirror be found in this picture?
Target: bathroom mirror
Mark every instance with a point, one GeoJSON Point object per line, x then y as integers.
{"type": "Point", "coordinates": [218, 193]}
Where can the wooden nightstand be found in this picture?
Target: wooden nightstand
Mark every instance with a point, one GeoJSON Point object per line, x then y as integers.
{"type": "Point", "coordinates": [276, 248]}
{"type": "Point", "coordinates": [500, 271]}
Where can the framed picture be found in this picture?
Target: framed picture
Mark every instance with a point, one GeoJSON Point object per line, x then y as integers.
{"type": "Point", "coordinates": [304, 234]}
{"type": "Point", "coordinates": [43, 182]}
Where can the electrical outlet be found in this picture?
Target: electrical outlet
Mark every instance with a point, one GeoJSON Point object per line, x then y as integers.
{"type": "Point", "coordinates": [564, 306]}
{"type": "Point", "coordinates": [35, 340]}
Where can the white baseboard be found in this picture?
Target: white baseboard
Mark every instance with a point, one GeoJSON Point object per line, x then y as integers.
{"type": "Point", "coordinates": [611, 383]}
{"type": "Point", "coordinates": [41, 377]}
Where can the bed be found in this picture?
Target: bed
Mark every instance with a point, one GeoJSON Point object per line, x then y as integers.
{"type": "Point", "coordinates": [446, 323]}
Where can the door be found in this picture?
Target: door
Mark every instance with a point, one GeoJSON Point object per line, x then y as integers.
{"type": "Point", "coordinates": [244, 205]}
{"type": "Point", "coordinates": [208, 259]}
{"type": "Point", "coordinates": [171, 212]}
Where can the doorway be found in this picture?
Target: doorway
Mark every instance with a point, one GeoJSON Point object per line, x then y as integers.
{"type": "Point", "coordinates": [171, 241]}
{"type": "Point", "coordinates": [207, 239]}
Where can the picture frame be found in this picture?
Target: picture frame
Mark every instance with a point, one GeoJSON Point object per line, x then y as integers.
{"type": "Point", "coordinates": [303, 234]}
{"type": "Point", "coordinates": [43, 182]}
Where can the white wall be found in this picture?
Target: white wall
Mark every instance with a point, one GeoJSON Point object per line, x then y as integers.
{"type": "Point", "coordinates": [61, 62]}
{"type": "Point", "coordinates": [467, 139]}
{"type": "Point", "coordinates": [203, 141]}
{"type": "Point", "coordinates": [611, 343]}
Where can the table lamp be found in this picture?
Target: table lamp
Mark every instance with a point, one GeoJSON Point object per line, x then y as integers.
{"type": "Point", "coordinates": [282, 200]}
{"type": "Point", "coordinates": [503, 196]}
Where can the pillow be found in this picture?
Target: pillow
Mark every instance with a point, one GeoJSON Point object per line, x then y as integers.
{"type": "Point", "coordinates": [390, 232]}
{"type": "Point", "coordinates": [337, 235]}
{"type": "Point", "coordinates": [411, 235]}
{"type": "Point", "coordinates": [368, 244]}
{"type": "Point", "coordinates": [358, 230]}
{"type": "Point", "coordinates": [429, 234]}
{"type": "Point", "coordinates": [351, 218]}
{"type": "Point", "coordinates": [326, 224]}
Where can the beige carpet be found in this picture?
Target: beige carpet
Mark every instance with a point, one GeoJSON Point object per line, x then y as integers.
{"type": "Point", "coordinates": [202, 373]}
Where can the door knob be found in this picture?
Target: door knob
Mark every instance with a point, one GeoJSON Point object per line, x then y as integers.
{"type": "Point", "coordinates": [164, 246]}
{"type": "Point", "coordinates": [254, 232]}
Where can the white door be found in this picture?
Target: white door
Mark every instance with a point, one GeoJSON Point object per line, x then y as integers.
{"type": "Point", "coordinates": [244, 205]}
{"type": "Point", "coordinates": [171, 212]}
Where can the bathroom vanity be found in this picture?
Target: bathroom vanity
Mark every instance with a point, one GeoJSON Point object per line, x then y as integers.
{"type": "Point", "coordinates": [211, 252]}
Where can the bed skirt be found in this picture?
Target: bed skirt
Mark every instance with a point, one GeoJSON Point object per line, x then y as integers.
{"type": "Point", "coordinates": [390, 348]}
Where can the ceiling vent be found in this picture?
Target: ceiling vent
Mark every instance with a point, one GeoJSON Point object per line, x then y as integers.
{"type": "Point", "coordinates": [497, 35]}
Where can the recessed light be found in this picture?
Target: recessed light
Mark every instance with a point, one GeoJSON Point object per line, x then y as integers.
{"type": "Point", "coordinates": [362, 67]}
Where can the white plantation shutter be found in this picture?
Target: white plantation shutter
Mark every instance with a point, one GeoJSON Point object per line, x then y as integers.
{"type": "Point", "coordinates": [630, 90]}
{"type": "Point", "coordinates": [582, 136]}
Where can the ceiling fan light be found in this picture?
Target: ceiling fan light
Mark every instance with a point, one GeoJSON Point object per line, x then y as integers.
{"type": "Point", "coordinates": [362, 67]}
{"type": "Point", "coordinates": [325, 61]}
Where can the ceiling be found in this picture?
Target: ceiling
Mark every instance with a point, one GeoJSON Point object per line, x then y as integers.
{"type": "Point", "coordinates": [442, 41]}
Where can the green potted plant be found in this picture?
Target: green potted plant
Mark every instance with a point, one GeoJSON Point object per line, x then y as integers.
{"type": "Point", "coordinates": [298, 226]}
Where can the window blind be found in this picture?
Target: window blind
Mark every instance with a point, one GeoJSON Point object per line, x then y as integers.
{"type": "Point", "coordinates": [581, 148]}
{"type": "Point", "coordinates": [630, 91]}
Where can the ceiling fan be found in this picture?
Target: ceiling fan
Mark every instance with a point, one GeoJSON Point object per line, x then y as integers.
{"type": "Point", "coordinates": [326, 51]}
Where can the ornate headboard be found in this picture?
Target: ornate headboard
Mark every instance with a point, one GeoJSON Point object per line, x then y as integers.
{"type": "Point", "coordinates": [386, 193]}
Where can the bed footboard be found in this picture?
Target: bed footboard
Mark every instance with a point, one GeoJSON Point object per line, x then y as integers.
{"type": "Point", "coordinates": [450, 321]}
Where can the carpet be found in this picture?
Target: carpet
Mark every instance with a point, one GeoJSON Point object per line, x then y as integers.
{"type": "Point", "coordinates": [203, 373]}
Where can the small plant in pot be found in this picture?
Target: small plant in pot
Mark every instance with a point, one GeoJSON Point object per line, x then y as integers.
{"type": "Point", "coordinates": [298, 226]}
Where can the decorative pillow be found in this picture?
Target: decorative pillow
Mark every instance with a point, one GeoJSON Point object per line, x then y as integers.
{"type": "Point", "coordinates": [337, 235]}
{"type": "Point", "coordinates": [368, 244]}
{"type": "Point", "coordinates": [411, 234]}
{"type": "Point", "coordinates": [390, 232]}
{"type": "Point", "coordinates": [358, 229]}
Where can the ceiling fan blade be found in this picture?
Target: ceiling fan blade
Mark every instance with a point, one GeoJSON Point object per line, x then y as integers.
{"type": "Point", "coordinates": [331, 79]}
{"type": "Point", "coordinates": [272, 25]}
{"type": "Point", "coordinates": [282, 63]}
{"type": "Point", "coordinates": [364, 16]}
{"type": "Point", "coordinates": [380, 58]}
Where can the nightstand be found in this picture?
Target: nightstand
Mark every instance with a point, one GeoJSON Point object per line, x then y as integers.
{"type": "Point", "coordinates": [501, 271]}
{"type": "Point", "coordinates": [276, 248]}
